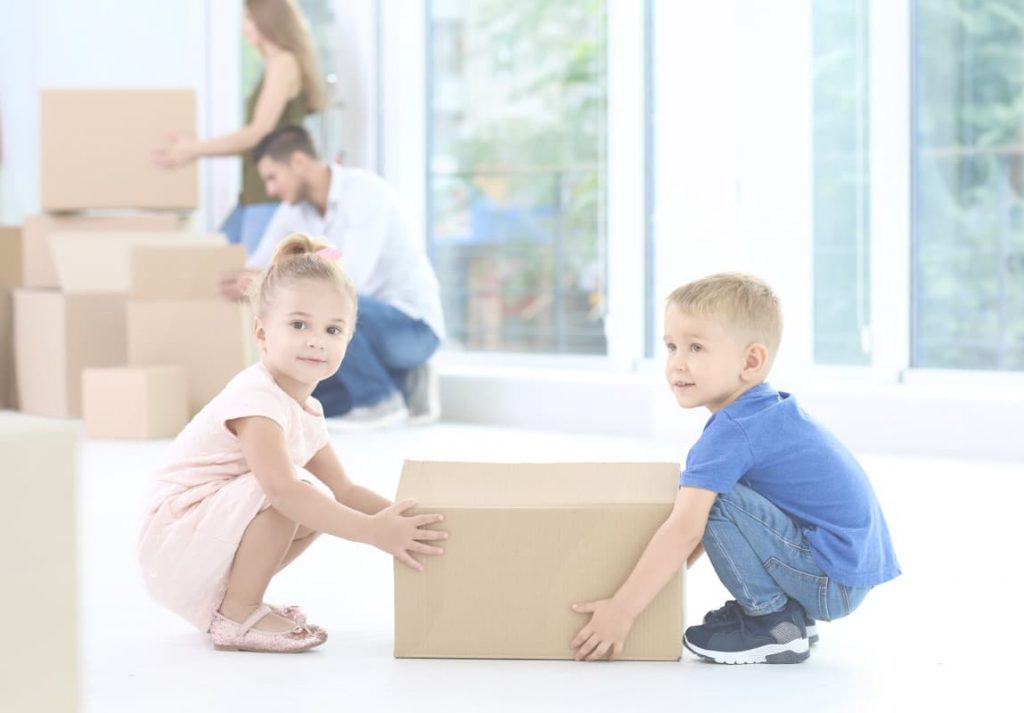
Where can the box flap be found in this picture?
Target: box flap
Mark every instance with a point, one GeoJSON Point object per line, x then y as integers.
{"type": "Point", "coordinates": [190, 272]}
{"type": "Point", "coordinates": [97, 261]}
{"type": "Point", "coordinates": [451, 484]}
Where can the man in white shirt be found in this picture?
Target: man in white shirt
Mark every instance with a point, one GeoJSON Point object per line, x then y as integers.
{"type": "Point", "coordinates": [384, 377]}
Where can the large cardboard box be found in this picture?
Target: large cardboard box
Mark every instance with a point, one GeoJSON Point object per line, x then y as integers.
{"type": "Point", "coordinates": [37, 262]}
{"type": "Point", "coordinates": [134, 402]}
{"type": "Point", "coordinates": [10, 278]}
{"type": "Point", "coordinates": [37, 521]}
{"type": "Point", "coordinates": [96, 148]}
{"type": "Point", "coordinates": [525, 542]}
{"type": "Point", "coordinates": [58, 333]}
{"type": "Point", "coordinates": [176, 316]}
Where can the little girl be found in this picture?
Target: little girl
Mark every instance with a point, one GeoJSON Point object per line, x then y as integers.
{"type": "Point", "coordinates": [235, 504]}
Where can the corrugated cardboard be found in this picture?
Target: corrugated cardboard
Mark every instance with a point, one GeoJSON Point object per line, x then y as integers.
{"type": "Point", "coordinates": [36, 260]}
{"type": "Point", "coordinates": [117, 251]}
{"type": "Point", "coordinates": [10, 278]}
{"type": "Point", "coordinates": [37, 520]}
{"type": "Point", "coordinates": [59, 333]}
{"type": "Point", "coordinates": [96, 149]}
{"type": "Point", "coordinates": [176, 316]}
{"type": "Point", "coordinates": [525, 542]}
{"type": "Point", "coordinates": [56, 336]}
{"type": "Point", "coordinates": [134, 402]}
{"type": "Point", "coordinates": [163, 272]}
{"type": "Point", "coordinates": [210, 338]}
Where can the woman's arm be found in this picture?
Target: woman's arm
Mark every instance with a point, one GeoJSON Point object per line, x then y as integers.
{"type": "Point", "coordinates": [280, 81]}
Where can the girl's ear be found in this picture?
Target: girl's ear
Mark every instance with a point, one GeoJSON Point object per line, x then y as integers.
{"type": "Point", "coordinates": [757, 359]}
{"type": "Point", "coordinates": [260, 333]}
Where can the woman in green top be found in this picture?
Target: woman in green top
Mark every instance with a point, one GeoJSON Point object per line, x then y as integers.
{"type": "Point", "coordinates": [290, 88]}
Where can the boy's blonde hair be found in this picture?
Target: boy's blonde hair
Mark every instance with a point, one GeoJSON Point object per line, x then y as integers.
{"type": "Point", "coordinates": [743, 304]}
{"type": "Point", "coordinates": [299, 257]}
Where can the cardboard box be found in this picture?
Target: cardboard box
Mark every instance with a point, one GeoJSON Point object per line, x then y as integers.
{"type": "Point", "coordinates": [211, 339]}
{"type": "Point", "coordinates": [96, 149]}
{"type": "Point", "coordinates": [59, 333]}
{"type": "Point", "coordinates": [37, 520]}
{"type": "Point", "coordinates": [164, 272]}
{"type": "Point", "coordinates": [56, 336]}
{"type": "Point", "coordinates": [37, 262]}
{"type": "Point", "coordinates": [176, 316]}
{"type": "Point", "coordinates": [526, 541]}
{"type": "Point", "coordinates": [10, 278]}
{"type": "Point", "coordinates": [134, 402]}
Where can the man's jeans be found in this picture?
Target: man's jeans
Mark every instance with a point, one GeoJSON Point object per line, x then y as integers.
{"type": "Point", "coordinates": [247, 223]}
{"type": "Point", "coordinates": [763, 559]}
{"type": "Point", "coordinates": [387, 344]}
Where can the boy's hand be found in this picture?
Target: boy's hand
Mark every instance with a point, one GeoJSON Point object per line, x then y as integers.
{"type": "Point", "coordinates": [399, 535]}
{"type": "Point", "coordinates": [605, 634]}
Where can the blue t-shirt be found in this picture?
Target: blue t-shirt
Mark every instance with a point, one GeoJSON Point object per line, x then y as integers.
{"type": "Point", "coordinates": [766, 442]}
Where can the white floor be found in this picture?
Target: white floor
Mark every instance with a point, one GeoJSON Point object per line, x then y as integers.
{"type": "Point", "coordinates": [945, 633]}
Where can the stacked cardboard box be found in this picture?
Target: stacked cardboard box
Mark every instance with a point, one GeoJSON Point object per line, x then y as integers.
{"type": "Point", "coordinates": [60, 332]}
{"type": "Point", "coordinates": [135, 402]}
{"type": "Point", "coordinates": [103, 197]}
{"type": "Point", "coordinates": [97, 146]}
{"type": "Point", "coordinates": [176, 316]}
{"type": "Point", "coordinates": [526, 541]}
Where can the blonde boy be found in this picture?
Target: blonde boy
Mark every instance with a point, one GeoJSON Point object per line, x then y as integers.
{"type": "Point", "coordinates": [784, 511]}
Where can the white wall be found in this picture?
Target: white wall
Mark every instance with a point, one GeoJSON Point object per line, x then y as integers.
{"type": "Point", "coordinates": [74, 44]}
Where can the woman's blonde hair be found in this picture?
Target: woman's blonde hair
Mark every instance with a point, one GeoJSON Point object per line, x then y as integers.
{"type": "Point", "coordinates": [281, 22]}
{"type": "Point", "coordinates": [297, 258]}
{"type": "Point", "coordinates": [743, 304]}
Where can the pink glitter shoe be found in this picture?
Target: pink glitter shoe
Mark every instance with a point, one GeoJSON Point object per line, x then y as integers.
{"type": "Point", "coordinates": [295, 613]}
{"type": "Point", "coordinates": [291, 611]}
{"type": "Point", "coordinates": [228, 635]}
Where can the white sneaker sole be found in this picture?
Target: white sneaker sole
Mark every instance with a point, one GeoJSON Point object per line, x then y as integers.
{"type": "Point", "coordinates": [791, 652]}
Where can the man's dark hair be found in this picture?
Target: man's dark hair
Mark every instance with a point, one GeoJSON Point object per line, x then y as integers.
{"type": "Point", "coordinates": [282, 142]}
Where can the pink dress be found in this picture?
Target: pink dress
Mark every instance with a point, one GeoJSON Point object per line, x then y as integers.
{"type": "Point", "coordinates": [206, 496]}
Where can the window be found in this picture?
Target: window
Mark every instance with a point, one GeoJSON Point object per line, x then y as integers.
{"type": "Point", "coordinates": [968, 151]}
{"type": "Point", "coordinates": [841, 182]}
{"type": "Point", "coordinates": [516, 173]}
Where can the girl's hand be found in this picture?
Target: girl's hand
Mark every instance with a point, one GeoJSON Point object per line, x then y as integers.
{"type": "Point", "coordinates": [605, 634]}
{"type": "Point", "coordinates": [176, 150]}
{"type": "Point", "coordinates": [399, 535]}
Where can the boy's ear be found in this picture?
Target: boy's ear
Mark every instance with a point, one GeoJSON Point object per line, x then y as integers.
{"type": "Point", "coordinates": [757, 359]}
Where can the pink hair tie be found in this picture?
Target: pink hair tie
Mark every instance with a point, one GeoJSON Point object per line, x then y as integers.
{"type": "Point", "coordinates": [328, 254]}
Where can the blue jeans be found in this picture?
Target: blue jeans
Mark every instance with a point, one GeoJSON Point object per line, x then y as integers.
{"type": "Point", "coordinates": [763, 559]}
{"type": "Point", "coordinates": [247, 223]}
{"type": "Point", "coordinates": [387, 344]}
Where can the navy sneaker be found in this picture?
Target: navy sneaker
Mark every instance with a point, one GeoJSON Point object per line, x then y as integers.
{"type": "Point", "coordinates": [728, 635]}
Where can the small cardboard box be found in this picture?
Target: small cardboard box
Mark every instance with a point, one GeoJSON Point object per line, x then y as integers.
{"type": "Point", "coordinates": [10, 278]}
{"type": "Point", "coordinates": [176, 316]}
{"type": "Point", "coordinates": [96, 149]}
{"type": "Point", "coordinates": [59, 333]}
{"type": "Point", "coordinates": [134, 402]}
{"type": "Point", "coordinates": [525, 542]}
{"type": "Point", "coordinates": [37, 520]}
{"type": "Point", "coordinates": [37, 262]}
